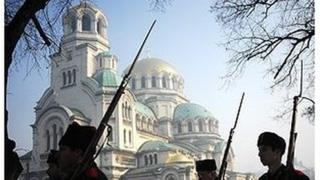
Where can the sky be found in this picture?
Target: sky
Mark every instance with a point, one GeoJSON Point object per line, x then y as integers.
{"type": "Point", "coordinates": [187, 37]}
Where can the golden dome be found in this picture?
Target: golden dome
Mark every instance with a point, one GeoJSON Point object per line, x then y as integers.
{"type": "Point", "coordinates": [153, 66]}
{"type": "Point", "coordinates": [178, 158]}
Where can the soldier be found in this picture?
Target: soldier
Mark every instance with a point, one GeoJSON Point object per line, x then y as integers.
{"type": "Point", "coordinates": [72, 147]}
{"type": "Point", "coordinates": [206, 169]}
{"type": "Point", "coordinates": [271, 148]}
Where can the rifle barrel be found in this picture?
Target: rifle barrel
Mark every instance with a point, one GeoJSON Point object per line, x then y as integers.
{"type": "Point", "coordinates": [223, 166]}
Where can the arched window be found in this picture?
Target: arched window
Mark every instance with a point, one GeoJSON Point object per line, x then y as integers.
{"type": "Point", "coordinates": [164, 82]}
{"type": "Point", "coordinates": [150, 157]}
{"type": "Point", "coordinates": [133, 83]}
{"type": "Point", "coordinates": [153, 81]}
{"type": "Point", "coordinates": [143, 82]}
{"type": "Point", "coordinates": [55, 136]}
{"type": "Point", "coordinates": [69, 77]}
{"type": "Point", "coordinates": [145, 160]}
{"type": "Point", "coordinates": [125, 136]}
{"type": "Point", "coordinates": [130, 137]}
{"type": "Point", "coordinates": [86, 22]}
{"type": "Point", "coordinates": [155, 159]}
{"type": "Point", "coordinates": [189, 126]}
{"type": "Point", "coordinates": [100, 62]}
{"type": "Point", "coordinates": [179, 127]}
{"type": "Point", "coordinates": [74, 75]}
{"type": "Point", "coordinates": [200, 126]}
{"type": "Point", "coordinates": [64, 78]}
{"type": "Point", "coordinates": [48, 140]}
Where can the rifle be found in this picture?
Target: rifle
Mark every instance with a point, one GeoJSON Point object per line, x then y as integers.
{"type": "Point", "coordinates": [88, 155]}
{"type": "Point", "coordinates": [293, 134]}
{"type": "Point", "coordinates": [224, 163]}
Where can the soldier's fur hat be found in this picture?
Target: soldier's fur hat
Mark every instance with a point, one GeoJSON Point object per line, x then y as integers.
{"type": "Point", "coordinates": [273, 140]}
{"type": "Point", "coordinates": [206, 165]}
{"type": "Point", "coordinates": [78, 136]}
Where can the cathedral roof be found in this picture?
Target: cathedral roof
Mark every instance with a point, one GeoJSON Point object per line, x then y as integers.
{"type": "Point", "coordinates": [153, 66]}
{"type": "Point", "coordinates": [145, 110]}
{"type": "Point", "coordinates": [190, 111]}
{"type": "Point", "coordinates": [159, 146]}
{"type": "Point", "coordinates": [107, 77]}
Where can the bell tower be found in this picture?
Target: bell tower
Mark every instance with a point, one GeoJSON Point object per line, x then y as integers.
{"type": "Point", "coordinates": [84, 24]}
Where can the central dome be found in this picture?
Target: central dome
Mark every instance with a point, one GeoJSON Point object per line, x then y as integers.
{"type": "Point", "coordinates": [153, 66]}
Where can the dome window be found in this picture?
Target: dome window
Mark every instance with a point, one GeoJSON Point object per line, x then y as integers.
{"type": "Point", "coordinates": [155, 159]}
{"type": "Point", "coordinates": [164, 82]}
{"type": "Point", "coordinates": [151, 160]}
{"type": "Point", "coordinates": [145, 160]}
{"type": "Point", "coordinates": [179, 127]}
{"type": "Point", "coordinates": [189, 126]}
{"type": "Point", "coordinates": [143, 82]}
{"type": "Point", "coordinates": [153, 82]}
{"type": "Point", "coordinates": [86, 22]}
{"type": "Point", "coordinates": [200, 126]}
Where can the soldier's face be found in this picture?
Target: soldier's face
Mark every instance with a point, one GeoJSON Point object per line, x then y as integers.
{"type": "Point", "coordinates": [268, 156]}
{"type": "Point", "coordinates": [207, 175]}
{"type": "Point", "coordinates": [68, 158]}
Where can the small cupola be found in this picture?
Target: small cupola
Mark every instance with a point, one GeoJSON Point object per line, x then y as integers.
{"type": "Point", "coordinates": [105, 60]}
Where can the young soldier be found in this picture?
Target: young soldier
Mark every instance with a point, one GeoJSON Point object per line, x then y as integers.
{"type": "Point", "coordinates": [206, 169]}
{"type": "Point", "coordinates": [72, 147]}
{"type": "Point", "coordinates": [271, 148]}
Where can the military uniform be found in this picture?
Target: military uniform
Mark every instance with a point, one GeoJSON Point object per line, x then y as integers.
{"type": "Point", "coordinates": [92, 173]}
{"type": "Point", "coordinates": [283, 174]}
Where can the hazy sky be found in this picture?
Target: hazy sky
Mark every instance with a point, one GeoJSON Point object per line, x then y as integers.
{"type": "Point", "coordinates": [186, 36]}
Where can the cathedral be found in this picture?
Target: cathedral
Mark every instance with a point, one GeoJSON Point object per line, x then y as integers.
{"type": "Point", "coordinates": [156, 132]}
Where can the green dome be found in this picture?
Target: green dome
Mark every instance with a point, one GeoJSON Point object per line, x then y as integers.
{"type": "Point", "coordinates": [190, 111]}
{"type": "Point", "coordinates": [151, 146]}
{"type": "Point", "coordinates": [107, 77]}
{"type": "Point", "coordinates": [145, 110]}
